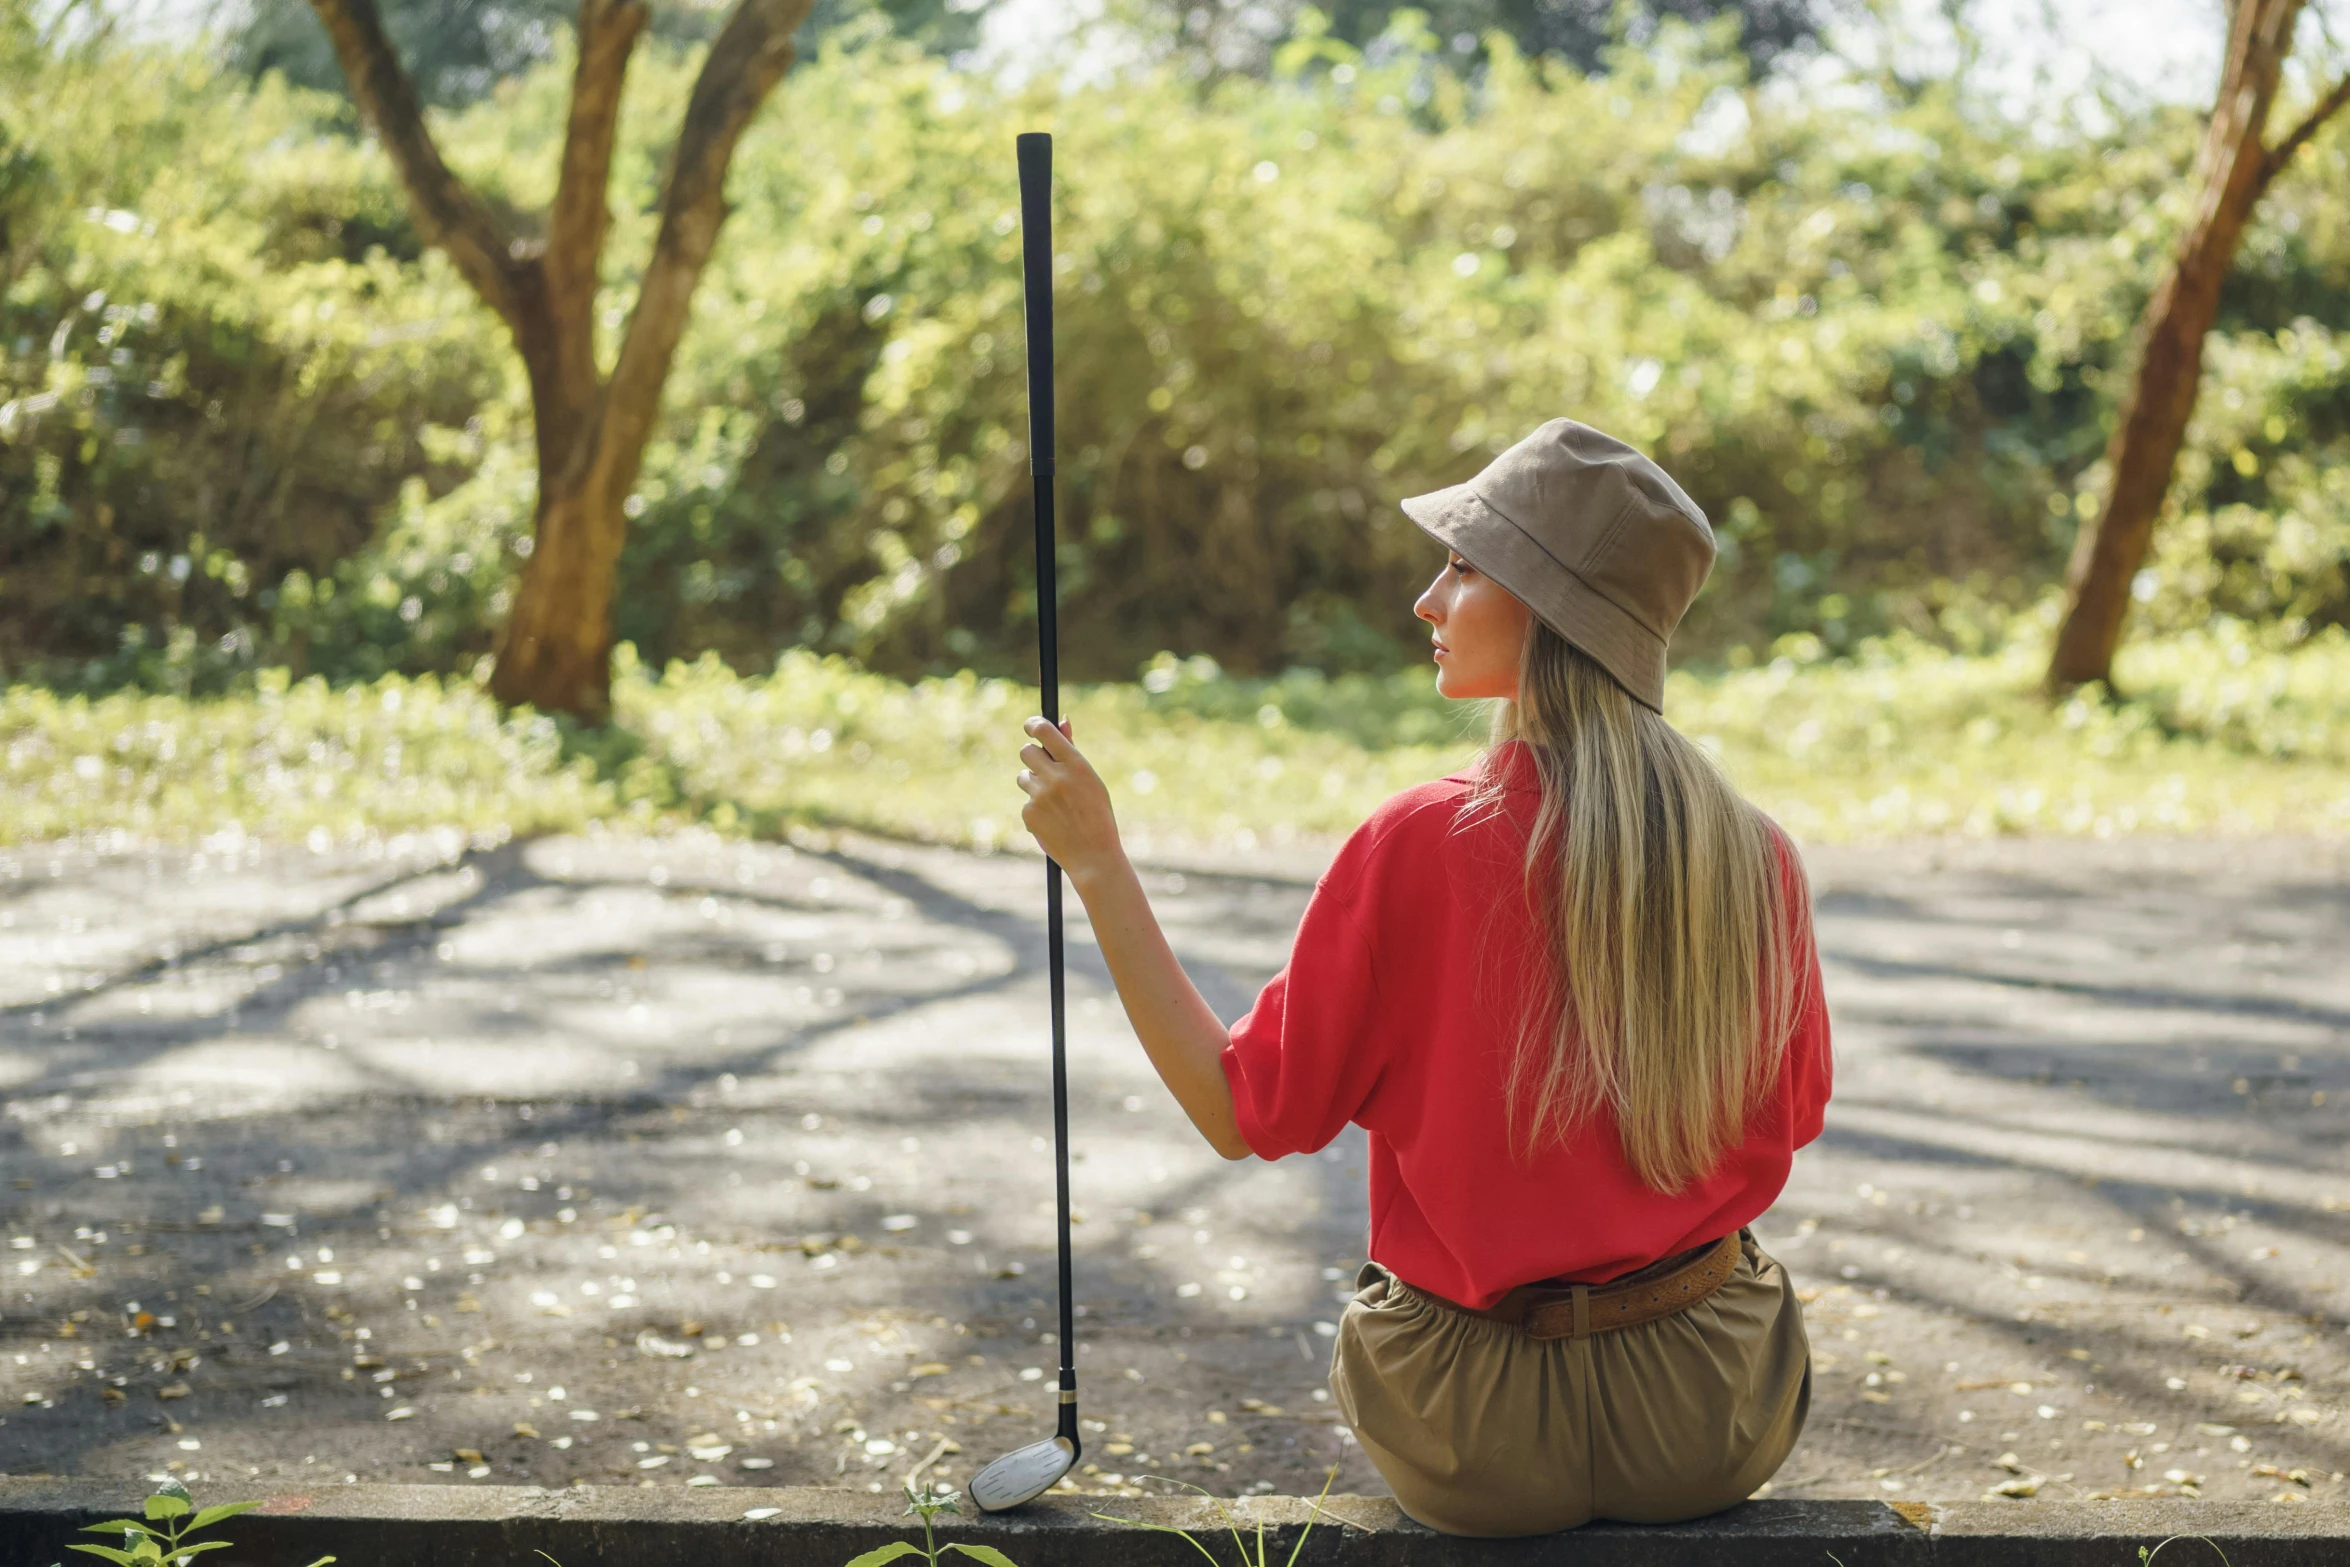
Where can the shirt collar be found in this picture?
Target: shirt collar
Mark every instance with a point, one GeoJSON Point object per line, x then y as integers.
{"type": "Point", "coordinates": [1513, 763]}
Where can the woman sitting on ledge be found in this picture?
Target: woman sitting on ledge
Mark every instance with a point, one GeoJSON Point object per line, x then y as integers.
{"type": "Point", "coordinates": [1571, 995]}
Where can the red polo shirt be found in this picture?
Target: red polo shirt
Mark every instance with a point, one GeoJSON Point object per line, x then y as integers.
{"type": "Point", "coordinates": [1382, 1018]}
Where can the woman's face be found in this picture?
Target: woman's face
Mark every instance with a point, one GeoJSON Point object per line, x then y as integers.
{"type": "Point", "coordinates": [1480, 629]}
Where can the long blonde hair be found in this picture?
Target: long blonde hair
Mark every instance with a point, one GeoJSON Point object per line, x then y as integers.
{"type": "Point", "coordinates": [1674, 964]}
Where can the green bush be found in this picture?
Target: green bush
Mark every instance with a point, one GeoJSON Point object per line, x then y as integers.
{"type": "Point", "coordinates": [220, 363]}
{"type": "Point", "coordinates": [2264, 535]}
{"type": "Point", "coordinates": [244, 423]}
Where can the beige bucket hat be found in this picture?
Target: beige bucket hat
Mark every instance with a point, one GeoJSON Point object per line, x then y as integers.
{"type": "Point", "coordinates": [1591, 536]}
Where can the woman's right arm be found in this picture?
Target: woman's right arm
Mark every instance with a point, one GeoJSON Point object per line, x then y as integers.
{"type": "Point", "coordinates": [1069, 812]}
{"type": "Point", "coordinates": [1179, 1031]}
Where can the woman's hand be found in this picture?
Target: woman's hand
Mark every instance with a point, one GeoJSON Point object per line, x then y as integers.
{"type": "Point", "coordinates": [1069, 811]}
{"type": "Point", "coordinates": [1068, 807]}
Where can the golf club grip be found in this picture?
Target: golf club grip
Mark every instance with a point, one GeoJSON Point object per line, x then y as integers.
{"type": "Point", "coordinates": [1036, 274]}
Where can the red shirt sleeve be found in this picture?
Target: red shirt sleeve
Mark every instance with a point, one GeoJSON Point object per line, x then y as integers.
{"type": "Point", "coordinates": [1309, 1053]}
{"type": "Point", "coordinates": [1810, 1064]}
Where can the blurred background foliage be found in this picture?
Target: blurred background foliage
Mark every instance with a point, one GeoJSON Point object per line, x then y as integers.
{"type": "Point", "coordinates": [245, 422]}
{"type": "Point", "coordinates": [458, 51]}
{"type": "Point", "coordinates": [1212, 37]}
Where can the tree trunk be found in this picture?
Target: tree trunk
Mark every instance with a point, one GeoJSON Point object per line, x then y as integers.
{"type": "Point", "coordinates": [2234, 168]}
{"type": "Point", "coordinates": [555, 649]}
{"type": "Point", "coordinates": [554, 652]}
{"type": "Point", "coordinates": [557, 640]}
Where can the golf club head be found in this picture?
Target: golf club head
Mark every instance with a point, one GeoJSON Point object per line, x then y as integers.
{"type": "Point", "coordinates": [1023, 1476]}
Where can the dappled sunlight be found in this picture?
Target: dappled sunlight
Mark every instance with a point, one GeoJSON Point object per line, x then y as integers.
{"type": "Point", "coordinates": [239, 1078]}
{"type": "Point", "coordinates": [748, 1143]}
{"type": "Point", "coordinates": [21, 1067]}
{"type": "Point", "coordinates": [550, 1058]}
{"type": "Point", "coordinates": [521, 959]}
{"type": "Point", "coordinates": [2076, 1223]}
{"type": "Point", "coordinates": [766, 1117]}
{"type": "Point", "coordinates": [1951, 1129]}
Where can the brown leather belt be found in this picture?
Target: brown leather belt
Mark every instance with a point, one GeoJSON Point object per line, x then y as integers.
{"type": "Point", "coordinates": [1551, 1309]}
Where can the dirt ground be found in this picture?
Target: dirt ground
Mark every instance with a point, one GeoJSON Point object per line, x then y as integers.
{"type": "Point", "coordinates": [686, 1162]}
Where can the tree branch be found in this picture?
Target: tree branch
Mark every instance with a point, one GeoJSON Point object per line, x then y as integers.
{"type": "Point", "coordinates": [448, 214]}
{"type": "Point", "coordinates": [2273, 162]}
{"type": "Point", "coordinates": [608, 31]}
{"type": "Point", "coordinates": [746, 60]}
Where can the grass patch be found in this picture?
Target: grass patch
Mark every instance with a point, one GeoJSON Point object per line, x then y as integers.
{"type": "Point", "coordinates": [2220, 736]}
{"type": "Point", "coordinates": [289, 762]}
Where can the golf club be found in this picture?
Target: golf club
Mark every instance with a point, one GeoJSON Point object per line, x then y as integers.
{"type": "Point", "coordinates": [1024, 1475]}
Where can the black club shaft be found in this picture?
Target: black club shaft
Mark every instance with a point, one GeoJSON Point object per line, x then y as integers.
{"type": "Point", "coordinates": [1036, 245]}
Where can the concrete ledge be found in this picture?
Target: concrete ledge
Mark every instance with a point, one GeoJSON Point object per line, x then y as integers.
{"type": "Point", "coordinates": [491, 1526]}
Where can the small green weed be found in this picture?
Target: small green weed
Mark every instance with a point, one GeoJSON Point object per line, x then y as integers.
{"type": "Point", "coordinates": [160, 1540]}
{"type": "Point", "coordinates": [1239, 1544]}
{"type": "Point", "coordinates": [926, 1504]}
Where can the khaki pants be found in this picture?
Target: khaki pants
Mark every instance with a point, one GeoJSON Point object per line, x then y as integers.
{"type": "Point", "coordinates": [1481, 1430]}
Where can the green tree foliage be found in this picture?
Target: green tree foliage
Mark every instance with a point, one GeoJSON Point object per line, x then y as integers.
{"type": "Point", "coordinates": [941, 27]}
{"type": "Point", "coordinates": [1581, 32]}
{"type": "Point", "coordinates": [455, 50]}
{"type": "Point", "coordinates": [1210, 39]}
{"type": "Point", "coordinates": [1876, 335]}
{"type": "Point", "coordinates": [220, 360]}
{"type": "Point", "coordinates": [458, 50]}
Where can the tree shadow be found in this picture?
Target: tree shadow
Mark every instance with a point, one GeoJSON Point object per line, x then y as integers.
{"type": "Point", "coordinates": [368, 1183]}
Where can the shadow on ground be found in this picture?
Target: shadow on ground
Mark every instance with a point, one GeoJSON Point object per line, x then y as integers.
{"type": "Point", "coordinates": [688, 1161]}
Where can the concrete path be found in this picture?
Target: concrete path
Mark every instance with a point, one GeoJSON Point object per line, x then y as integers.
{"type": "Point", "coordinates": [688, 1162]}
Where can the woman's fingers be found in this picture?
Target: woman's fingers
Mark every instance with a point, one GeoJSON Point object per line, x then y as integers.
{"type": "Point", "coordinates": [1068, 807]}
{"type": "Point", "coordinates": [1055, 741]}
